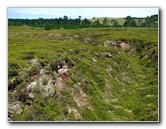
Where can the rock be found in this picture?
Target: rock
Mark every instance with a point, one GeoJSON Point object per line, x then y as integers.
{"type": "Point", "coordinates": [116, 99]}
{"type": "Point", "coordinates": [76, 35]}
{"type": "Point", "coordinates": [113, 42]}
{"type": "Point", "coordinates": [109, 68]}
{"type": "Point", "coordinates": [75, 111]}
{"type": "Point", "coordinates": [42, 71]}
{"type": "Point", "coordinates": [47, 89]}
{"type": "Point", "coordinates": [94, 60]}
{"type": "Point", "coordinates": [109, 55]}
{"type": "Point", "coordinates": [87, 39]}
{"type": "Point", "coordinates": [63, 70]}
{"type": "Point", "coordinates": [124, 46]}
{"type": "Point", "coordinates": [107, 43]}
{"type": "Point", "coordinates": [149, 96]}
{"type": "Point", "coordinates": [34, 62]}
{"type": "Point", "coordinates": [31, 86]}
{"type": "Point", "coordinates": [146, 56]}
{"type": "Point", "coordinates": [130, 111]}
{"type": "Point", "coordinates": [31, 96]}
{"type": "Point", "coordinates": [15, 109]}
{"type": "Point", "coordinates": [81, 98]}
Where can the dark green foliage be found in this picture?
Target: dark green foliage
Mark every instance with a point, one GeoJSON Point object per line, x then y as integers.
{"type": "Point", "coordinates": [13, 69]}
{"type": "Point", "coordinates": [114, 23]}
{"type": "Point", "coordinates": [151, 21]}
{"type": "Point", "coordinates": [48, 27]}
{"type": "Point", "coordinates": [68, 23]}
{"type": "Point", "coordinates": [105, 22]}
{"type": "Point", "coordinates": [65, 111]}
{"type": "Point", "coordinates": [129, 22]}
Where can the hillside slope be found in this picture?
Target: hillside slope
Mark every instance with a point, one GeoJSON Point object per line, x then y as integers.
{"type": "Point", "coordinates": [109, 74]}
{"type": "Point", "coordinates": [120, 21]}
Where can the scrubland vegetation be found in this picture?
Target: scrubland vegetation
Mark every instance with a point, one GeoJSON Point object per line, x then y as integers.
{"type": "Point", "coordinates": [112, 74]}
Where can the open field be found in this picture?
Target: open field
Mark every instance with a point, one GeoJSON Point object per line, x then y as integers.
{"type": "Point", "coordinates": [111, 74]}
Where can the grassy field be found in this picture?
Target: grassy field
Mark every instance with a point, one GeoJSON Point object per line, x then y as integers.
{"type": "Point", "coordinates": [112, 76]}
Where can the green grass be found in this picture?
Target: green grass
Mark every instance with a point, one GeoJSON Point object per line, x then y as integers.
{"type": "Point", "coordinates": [121, 88]}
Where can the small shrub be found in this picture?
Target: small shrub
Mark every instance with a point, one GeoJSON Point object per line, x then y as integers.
{"type": "Point", "coordinates": [53, 64]}
{"type": "Point", "coordinates": [48, 27]}
{"type": "Point", "coordinates": [71, 116]}
{"type": "Point", "coordinates": [28, 55]}
{"type": "Point", "coordinates": [88, 115]}
{"type": "Point", "coordinates": [12, 72]}
{"type": "Point", "coordinates": [44, 81]}
{"type": "Point", "coordinates": [13, 69]}
{"type": "Point", "coordinates": [65, 111]}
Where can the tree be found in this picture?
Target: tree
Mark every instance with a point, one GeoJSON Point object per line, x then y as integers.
{"type": "Point", "coordinates": [133, 23]}
{"type": "Point", "coordinates": [86, 22]}
{"type": "Point", "coordinates": [48, 27]}
{"type": "Point", "coordinates": [105, 22]}
{"type": "Point", "coordinates": [114, 23]}
{"type": "Point", "coordinates": [139, 22]}
{"type": "Point", "coordinates": [130, 22]}
{"type": "Point", "coordinates": [151, 21]}
{"type": "Point", "coordinates": [40, 21]}
{"type": "Point", "coordinates": [65, 19]}
{"type": "Point", "coordinates": [79, 17]}
{"type": "Point", "coordinates": [96, 23]}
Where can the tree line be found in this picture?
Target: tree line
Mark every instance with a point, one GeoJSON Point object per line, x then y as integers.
{"type": "Point", "coordinates": [68, 23]}
{"type": "Point", "coordinates": [151, 21]}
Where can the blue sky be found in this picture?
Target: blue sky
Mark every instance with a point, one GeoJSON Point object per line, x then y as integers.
{"type": "Point", "coordinates": [35, 13]}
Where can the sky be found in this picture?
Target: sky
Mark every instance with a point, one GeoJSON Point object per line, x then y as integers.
{"type": "Point", "coordinates": [35, 13]}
